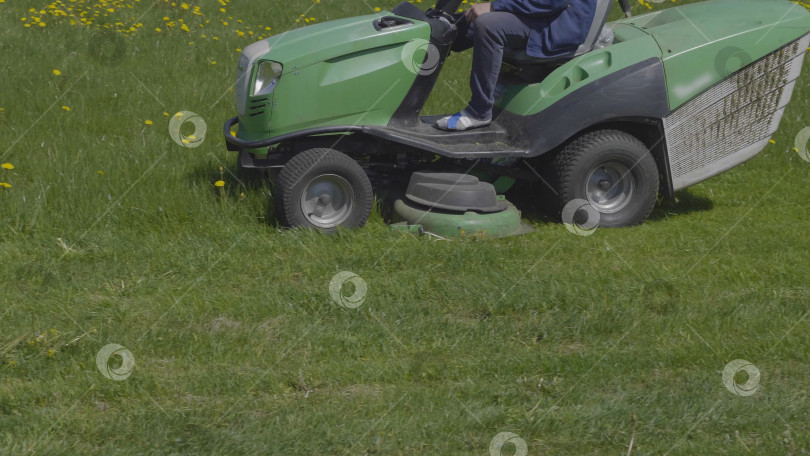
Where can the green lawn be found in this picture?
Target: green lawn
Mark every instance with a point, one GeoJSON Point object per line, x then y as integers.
{"type": "Point", "coordinates": [111, 233]}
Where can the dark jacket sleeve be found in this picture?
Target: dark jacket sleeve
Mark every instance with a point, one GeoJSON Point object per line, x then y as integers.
{"type": "Point", "coordinates": [530, 8]}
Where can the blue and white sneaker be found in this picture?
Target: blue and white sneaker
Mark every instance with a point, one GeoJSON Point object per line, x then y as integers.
{"type": "Point", "coordinates": [460, 121]}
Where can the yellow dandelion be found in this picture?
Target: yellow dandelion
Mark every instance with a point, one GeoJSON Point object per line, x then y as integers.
{"type": "Point", "coordinates": [57, 72]}
{"type": "Point", "coordinates": [219, 183]}
{"type": "Point", "coordinates": [772, 141]}
{"type": "Point", "coordinates": [148, 122]}
{"type": "Point", "coordinates": [7, 166]}
{"type": "Point", "coordinates": [157, 29]}
{"type": "Point", "coordinates": [165, 114]}
{"type": "Point", "coordinates": [100, 173]}
{"type": "Point", "coordinates": [66, 108]}
{"type": "Point", "coordinates": [377, 9]}
{"type": "Point", "coordinates": [5, 185]}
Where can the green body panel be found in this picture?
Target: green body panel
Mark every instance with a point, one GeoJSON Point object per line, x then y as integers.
{"type": "Point", "coordinates": [631, 46]}
{"type": "Point", "coordinates": [700, 45]}
{"type": "Point", "coordinates": [703, 43]}
{"type": "Point", "coordinates": [342, 72]}
{"type": "Point", "coordinates": [345, 72]}
{"type": "Point", "coordinates": [467, 225]}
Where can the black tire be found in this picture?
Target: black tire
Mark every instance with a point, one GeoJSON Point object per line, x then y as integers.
{"type": "Point", "coordinates": [611, 170]}
{"type": "Point", "coordinates": [323, 189]}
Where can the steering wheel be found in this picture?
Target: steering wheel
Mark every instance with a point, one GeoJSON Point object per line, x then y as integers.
{"type": "Point", "coordinates": [446, 8]}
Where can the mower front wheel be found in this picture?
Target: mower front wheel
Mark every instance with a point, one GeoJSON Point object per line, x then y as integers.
{"type": "Point", "coordinates": [323, 189]}
{"type": "Point", "coordinates": [611, 170]}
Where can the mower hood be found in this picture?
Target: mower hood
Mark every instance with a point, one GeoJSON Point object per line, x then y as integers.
{"type": "Point", "coordinates": [309, 45]}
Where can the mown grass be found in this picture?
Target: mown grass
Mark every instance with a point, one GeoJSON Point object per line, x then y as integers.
{"type": "Point", "coordinates": [112, 233]}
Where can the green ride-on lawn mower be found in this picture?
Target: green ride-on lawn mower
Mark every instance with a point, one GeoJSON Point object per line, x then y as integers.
{"type": "Point", "coordinates": [647, 104]}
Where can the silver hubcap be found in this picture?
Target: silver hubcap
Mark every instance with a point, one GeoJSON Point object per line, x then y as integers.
{"type": "Point", "coordinates": [327, 201]}
{"type": "Point", "coordinates": [610, 187]}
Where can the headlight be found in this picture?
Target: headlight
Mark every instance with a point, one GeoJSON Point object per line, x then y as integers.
{"type": "Point", "coordinates": [266, 77]}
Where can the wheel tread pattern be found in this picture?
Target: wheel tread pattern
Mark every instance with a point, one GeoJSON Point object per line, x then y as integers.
{"type": "Point", "coordinates": [565, 164]}
{"type": "Point", "coordinates": [304, 166]}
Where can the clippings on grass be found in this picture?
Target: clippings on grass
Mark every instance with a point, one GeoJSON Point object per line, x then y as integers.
{"type": "Point", "coordinates": [730, 60]}
{"type": "Point", "coordinates": [121, 372]}
{"type": "Point", "coordinates": [580, 217]}
{"type": "Point", "coordinates": [336, 289]}
{"type": "Point", "coordinates": [192, 140]}
{"type": "Point", "coordinates": [428, 366]}
{"type": "Point", "coordinates": [420, 57]}
{"type": "Point", "coordinates": [496, 445]}
{"type": "Point", "coordinates": [750, 386]}
{"type": "Point", "coordinates": [661, 296]}
{"type": "Point", "coordinates": [107, 48]}
{"type": "Point", "coordinates": [801, 144]}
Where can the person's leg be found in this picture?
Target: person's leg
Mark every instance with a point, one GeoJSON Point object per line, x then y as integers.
{"type": "Point", "coordinates": [464, 38]}
{"type": "Point", "coordinates": [492, 32]}
{"type": "Point", "coordinates": [488, 34]}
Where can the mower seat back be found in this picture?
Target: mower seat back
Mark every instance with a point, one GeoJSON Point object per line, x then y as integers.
{"type": "Point", "coordinates": [520, 57]}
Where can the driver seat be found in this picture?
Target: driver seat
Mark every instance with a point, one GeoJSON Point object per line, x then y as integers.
{"type": "Point", "coordinates": [597, 34]}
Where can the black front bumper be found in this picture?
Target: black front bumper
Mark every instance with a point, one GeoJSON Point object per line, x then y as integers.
{"type": "Point", "coordinates": [234, 143]}
{"type": "Point", "coordinates": [248, 160]}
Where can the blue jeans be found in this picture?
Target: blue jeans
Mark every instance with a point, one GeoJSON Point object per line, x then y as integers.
{"type": "Point", "coordinates": [488, 35]}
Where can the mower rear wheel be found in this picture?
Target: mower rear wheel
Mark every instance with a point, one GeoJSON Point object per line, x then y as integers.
{"type": "Point", "coordinates": [323, 189]}
{"type": "Point", "coordinates": [611, 170]}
